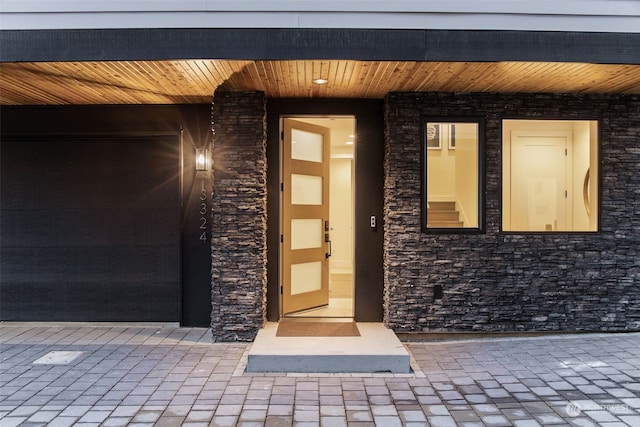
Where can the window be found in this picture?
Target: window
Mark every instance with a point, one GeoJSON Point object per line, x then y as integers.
{"type": "Point", "coordinates": [451, 174]}
{"type": "Point", "coordinates": [550, 170]}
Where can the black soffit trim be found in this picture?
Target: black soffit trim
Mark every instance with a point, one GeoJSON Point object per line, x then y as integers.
{"type": "Point", "coordinates": [347, 44]}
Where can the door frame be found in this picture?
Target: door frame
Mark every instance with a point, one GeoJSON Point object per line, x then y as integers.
{"type": "Point", "coordinates": [369, 183]}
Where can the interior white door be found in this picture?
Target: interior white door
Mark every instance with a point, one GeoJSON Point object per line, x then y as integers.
{"type": "Point", "coordinates": [539, 191]}
{"type": "Point", "coordinates": [306, 240]}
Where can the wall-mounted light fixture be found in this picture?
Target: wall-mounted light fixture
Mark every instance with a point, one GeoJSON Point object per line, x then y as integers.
{"type": "Point", "coordinates": [202, 159]}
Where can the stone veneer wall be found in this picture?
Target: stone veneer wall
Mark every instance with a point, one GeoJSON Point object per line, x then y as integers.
{"type": "Point", "coordinates": [239, 218]}
{"type": "Point", "coordinates": [507, 281]}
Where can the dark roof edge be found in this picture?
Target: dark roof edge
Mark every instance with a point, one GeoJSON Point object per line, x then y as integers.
{"type": "Point", "coordinates": [301, 44]}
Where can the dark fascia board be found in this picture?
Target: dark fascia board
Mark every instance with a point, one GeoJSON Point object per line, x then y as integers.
{"type": "Point", "coordinates": [300, 44]}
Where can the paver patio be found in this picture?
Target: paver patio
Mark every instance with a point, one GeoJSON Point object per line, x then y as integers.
{"type": "Point", "coordinates": [164, 375]}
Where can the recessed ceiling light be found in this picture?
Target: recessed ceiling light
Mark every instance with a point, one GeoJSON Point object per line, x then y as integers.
{"type": "Point", "coordinates": [349, 142]}
{"type": "Point", "coordinates": [320, 81]}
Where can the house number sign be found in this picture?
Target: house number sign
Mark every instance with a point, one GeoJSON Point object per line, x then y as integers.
{"type": "Point", "coordinates": [203, 215]}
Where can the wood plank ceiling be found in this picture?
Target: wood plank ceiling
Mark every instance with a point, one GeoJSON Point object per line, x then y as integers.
{"type": "Point", "coordinates": [194, 81]}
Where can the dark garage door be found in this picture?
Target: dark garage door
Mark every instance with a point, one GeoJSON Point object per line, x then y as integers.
{"type": "Point", "coordinates": [90, 229]}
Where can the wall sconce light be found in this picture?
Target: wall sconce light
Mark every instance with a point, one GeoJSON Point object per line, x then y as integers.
{"type": "Point", "coordinates": [202, 159]}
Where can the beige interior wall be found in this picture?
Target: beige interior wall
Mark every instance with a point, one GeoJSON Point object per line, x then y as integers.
{"type": "Point", "coordinates": [341, 214]}
{"type": "Point", "coordinates": [581, 155]}
{"type": "Point", "coordinates": [441, 177]}
{"type": "Point", "coordinates": [466, 172]}
{"type": "Point", "coordinates": [594, 173]}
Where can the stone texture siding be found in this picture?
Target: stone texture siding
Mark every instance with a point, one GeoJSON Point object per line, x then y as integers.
{"type": "Point", "coordinates": [499, 281]}
{"type": "Point", "coordinates": [494, 281]}
{"type": "Point", "coordinates": [239, 216]}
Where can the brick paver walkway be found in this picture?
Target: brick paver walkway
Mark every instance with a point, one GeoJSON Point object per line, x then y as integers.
{"type": "Point", "coordinates": [170, 376]}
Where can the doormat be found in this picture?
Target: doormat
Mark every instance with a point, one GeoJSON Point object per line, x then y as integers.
{"type": "Point", "coordinates": [317, 329]}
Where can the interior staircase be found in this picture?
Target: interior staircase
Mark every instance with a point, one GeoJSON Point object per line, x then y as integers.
{"type": "Point", "coordinates": [443, 215]}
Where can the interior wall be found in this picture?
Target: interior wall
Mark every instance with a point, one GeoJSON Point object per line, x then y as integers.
{"type": "Point", "coordinates": [466, 173]}
{"type": "Point", "coordinates": [341, 215]}
{"type": "Point", "coordinates": [441, 173]}
{"type": "Point", "coordinates": [594, 173]}
{"type": "Point", "coordinates": [581, 163]}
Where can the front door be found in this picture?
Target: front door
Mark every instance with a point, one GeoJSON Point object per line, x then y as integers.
{"type": "Point", "coordinates": [305, 240]}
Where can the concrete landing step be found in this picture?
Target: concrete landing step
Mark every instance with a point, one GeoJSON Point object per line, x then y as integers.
{"type": "Point", "coordinates": [377, 349]}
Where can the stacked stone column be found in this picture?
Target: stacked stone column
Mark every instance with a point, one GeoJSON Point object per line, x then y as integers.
{"type": "Point", "coordinates": [239, 216]}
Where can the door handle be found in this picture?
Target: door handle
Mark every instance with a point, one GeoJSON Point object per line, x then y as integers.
{"type": "Point", "coordinates": [327, 240]}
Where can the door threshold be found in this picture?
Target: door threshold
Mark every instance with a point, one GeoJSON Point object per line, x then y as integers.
{"type": "Point", "coordinates": [306, 310]}
{"type": "Point", "coordinates": [337, 307]}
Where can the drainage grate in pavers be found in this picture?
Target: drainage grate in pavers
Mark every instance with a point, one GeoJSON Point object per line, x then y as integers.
{"type": "Point", "coordinates": [58, 358]}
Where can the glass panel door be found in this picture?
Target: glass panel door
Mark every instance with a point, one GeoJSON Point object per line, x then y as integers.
{"type": "Point", "coordinates": [306, 244]}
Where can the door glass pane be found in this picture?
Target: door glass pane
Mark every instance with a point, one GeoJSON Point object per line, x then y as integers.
{"type": "Point", "coordinates": [306, 146]}
{"type": "Point", "coordinates": [306, 277]}
{"type": "Point", "coordinates": [306, 190]}
{"type": "Point", "coordinates": [306, 233]}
